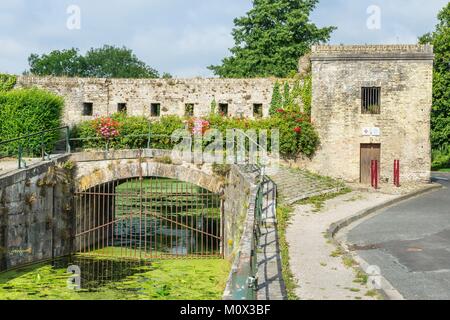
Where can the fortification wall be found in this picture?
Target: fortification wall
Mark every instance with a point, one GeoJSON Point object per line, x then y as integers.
{"type": "Point", "coordinates": [139, 94]}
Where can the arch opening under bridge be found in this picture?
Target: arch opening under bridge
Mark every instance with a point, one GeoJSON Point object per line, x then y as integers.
{"type": "Point", "coordinates": [148, 217]}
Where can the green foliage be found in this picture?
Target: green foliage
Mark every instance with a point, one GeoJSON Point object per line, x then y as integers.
{"type": "Point", "coordinates": [293, 99]}
{"type": "Point", "coordinates": [270, 39]}
{"type": "Point", "coordinates": [134, 132]}
{"type": "Point", "coordinates": [305, 91]}
{"type": "Point", "coordinates": [287, 99]}
{"type": "Point", "coordinates": [7, 82]}
{"type": "Point", "coordinates": [202, 279]}
{"type": "Point", "coordinates": [441, 158]}
{"type": "Point", "coordinates": [277, 99]}
{"type": "Point", "coordinates": [284, 214]}
{"type": "Point", "coordinates": [213, 106]}
{"type": "Point", "coordinates": [57, 63]}
{"type": "Point", "coordinates": [105, 62]}
{"type": "Point", "coordinates": [28, 111]}
{"type": "Point", "coordinates": [440, 122]}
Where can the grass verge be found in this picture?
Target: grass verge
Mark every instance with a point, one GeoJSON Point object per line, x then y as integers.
{"type": "Point", "coordinates": [318, 202]}
{"type": "Point", "coordinates": [284, 214]}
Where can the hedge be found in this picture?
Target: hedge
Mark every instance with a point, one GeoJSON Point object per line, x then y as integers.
{"type": "Point", "coordinates": [27, 111]}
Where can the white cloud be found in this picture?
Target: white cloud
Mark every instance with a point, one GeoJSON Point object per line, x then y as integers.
{"type": "Point", "coordinates": [184, 37]}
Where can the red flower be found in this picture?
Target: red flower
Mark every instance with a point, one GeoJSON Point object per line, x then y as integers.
{"type": "Point", "coordinates": [280, 111]}
{"type": "Point", "coordinates": [298, 130]}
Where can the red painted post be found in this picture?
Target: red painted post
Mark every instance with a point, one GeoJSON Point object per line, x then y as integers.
{"type": "Point", "coordinates": [372, 173]}
{"type": "Point", "coordinates": [397, 173]}
{"type": "Point", "coordinates": [376, 174]}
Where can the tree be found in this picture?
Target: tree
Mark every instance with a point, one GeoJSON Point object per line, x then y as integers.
{"type": "Point", "coordinates": [440, 121]}
{"type": "Point", "coordinates": [114, 62]}
{"type": "Point", "coordinates": [271, 38]}
{"type": "Point", "coordinates": [57, 63]}
{"type": "Point", "coordinates": [277, 100]}
{"type": "Point", "coordinates": [105, 62]}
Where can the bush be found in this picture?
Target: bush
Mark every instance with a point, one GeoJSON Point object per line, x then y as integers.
{"type": "Point", "coordinates": [28, 111]}
{"type": "Point", "coordinates": [441, 159]}
{"type": "Point", "coordinates": [133, 133]}
{"type": "Point", "coordinates": [297, 134]}
{"type": "Point", "coordinates": [7, 82]}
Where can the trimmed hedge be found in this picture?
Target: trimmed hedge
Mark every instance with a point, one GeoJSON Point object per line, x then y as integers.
{"type": "Point", "coordinates": [7, 82]}
{"type": "Point", "coordinates": [27, 111]}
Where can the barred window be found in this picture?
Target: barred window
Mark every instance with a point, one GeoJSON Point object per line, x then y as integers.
{"type": "Point", "coordinates": [371, 100]}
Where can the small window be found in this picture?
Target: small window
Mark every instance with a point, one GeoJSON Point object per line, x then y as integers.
{"type": "Point", "coordinates": [189, 110]}
{"type": "Point", "coordinates": [258, 110]}
{"type": "Point", "coordinates": [155, 109]}
{"type": "Point", "coordinates": [223, 108]}
{"type": "Point", "coordinates": [371, 100]}
{"type": "Point", "coordinates": [88, 109]}
{"type": "Point", "coordinates": [122, 107]}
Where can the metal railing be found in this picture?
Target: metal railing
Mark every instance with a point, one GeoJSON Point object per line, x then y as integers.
{"type": "Point", "coordinates": [36, 145]}
{"type": "Point", "coordinates": [243, 282]}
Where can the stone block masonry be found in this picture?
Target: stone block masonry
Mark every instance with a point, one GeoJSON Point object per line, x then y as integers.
{"type": "Point", "coordinates": [398, 123]}
{"type": "Point", "coordinates": [168, 96]}
{"type": "Point", "coordinates": [370, 102]}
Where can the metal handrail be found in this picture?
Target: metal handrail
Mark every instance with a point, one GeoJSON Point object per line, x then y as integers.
{"type": "Point", "coordinates": [20, 148]}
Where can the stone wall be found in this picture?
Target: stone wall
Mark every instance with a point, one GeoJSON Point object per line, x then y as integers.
{"type": "Point", "coordinates": [139, 94]}
{"type": "Point", "coordinates": [97, 168]}
{"type": "Point", "coordinates": [35, 216]}
{"type": "Point", "coordinates": [404, 74]}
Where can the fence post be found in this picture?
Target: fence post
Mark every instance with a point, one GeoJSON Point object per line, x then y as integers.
{"type": "Point", "coordinates": [68, 140]}
{"type": "Point", "coordinates": [148, 136]}
{"type": "Point", "coordinates": [374, 173]}
{"type": "Point", "coordinates": [397, 173]}
{"type": "Point", "coordinates": [20, 156]}
{"type": "Point", "coordinates": [42, 148]}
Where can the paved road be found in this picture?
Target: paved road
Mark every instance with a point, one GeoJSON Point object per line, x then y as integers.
{"type": "Point", "coordinates": [410, 242]}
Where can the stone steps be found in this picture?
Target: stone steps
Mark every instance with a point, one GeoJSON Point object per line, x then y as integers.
{"type": "Point", "coordinates": [295, 185]}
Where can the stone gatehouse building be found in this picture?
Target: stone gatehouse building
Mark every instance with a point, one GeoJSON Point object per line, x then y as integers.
{"type": "Point", "coordinates": [369, 102]}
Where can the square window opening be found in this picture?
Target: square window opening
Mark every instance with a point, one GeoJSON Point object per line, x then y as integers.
{"type": "Point", "coordinates": [189, 109]}
{"type": "Point", "coordinates": [258, 110]}
{"type": "Point", "coordinates": [122, 107]}
{"type": "Point", "coordinates": [223, 109]}
{"type": "Point", "coordinates": [371, 100]}
{"type": "Point", "coordinates": [88, 109]}
{"type": "Point", "coordinates": [155, 109]}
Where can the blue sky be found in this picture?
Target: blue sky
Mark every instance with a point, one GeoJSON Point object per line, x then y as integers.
{"type": "Point", "coordinates": [183, 37]}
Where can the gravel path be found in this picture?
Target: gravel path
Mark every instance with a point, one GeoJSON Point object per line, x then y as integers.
{"type": "Point", "coordinates": [321, 276]}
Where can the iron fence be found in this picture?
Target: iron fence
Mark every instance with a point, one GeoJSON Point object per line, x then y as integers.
{"type": "Point", "coordinates": [243, 282]}
{"type": "Point", "coordinates": [144, 218]}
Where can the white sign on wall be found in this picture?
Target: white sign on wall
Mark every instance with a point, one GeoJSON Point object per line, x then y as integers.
{"type": "Point", "coordinates": [376, 132]}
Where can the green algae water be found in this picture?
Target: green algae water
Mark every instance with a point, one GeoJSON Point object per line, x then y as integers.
{"type": "Point", "coordinates": [113, 279]}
